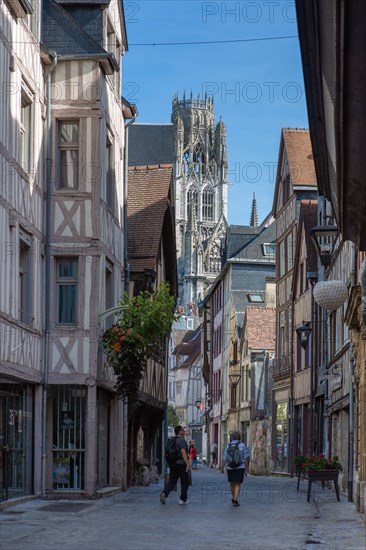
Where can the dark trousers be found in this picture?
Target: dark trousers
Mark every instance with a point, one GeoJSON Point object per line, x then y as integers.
{"type": "Point", "coordinates": [178, 471]}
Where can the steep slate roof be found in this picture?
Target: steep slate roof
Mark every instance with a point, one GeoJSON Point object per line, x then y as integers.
{"type": "Point", "coordinates": [62, 33]}
{"type": "Point", "coordinates": [300, 156]}
{"type": "Point", "coordinates": [245, 242]}
{"type": "Point", "coordinates": [260, 327]}
{"type": "Point", "coordinates": [238, 236]}
{"type": "Point", "coordinates": [150, 144]}
{"type": "Point", "coordinates": [149, 201]}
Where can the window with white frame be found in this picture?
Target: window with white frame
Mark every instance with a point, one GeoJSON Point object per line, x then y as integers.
{"type": "Point", "coordinates": [110, 173]}
{"type": "Point", "coordinates": [68, 145]}
{"type": "Point", "coordinates": [109, 293]}
{"type": "Point", "coordinates": [26, 134]}
{"type": "Point", "coordinates": [66, 283]}
{"type": "Point", "coordinates": [113, 46]}
{"type": "Point", "coordinates": [32, 18]}
{"type": "Point", "coordinates": [178, 388]}
{"type": "Point", "coordinates": [25, 281]}
{"type": "Point", "coordinates": [269, 249]}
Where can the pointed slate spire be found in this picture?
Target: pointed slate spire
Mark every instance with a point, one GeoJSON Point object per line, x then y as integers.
{"type": "Point", "coordinates": [254, 214]}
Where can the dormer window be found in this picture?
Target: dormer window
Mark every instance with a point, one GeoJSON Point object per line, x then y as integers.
{"type": "Point", "coordinates": [269, 249]}
{"type": "Point", "coordinates": [255, 298]}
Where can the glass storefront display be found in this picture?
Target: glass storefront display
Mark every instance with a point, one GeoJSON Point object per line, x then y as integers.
{"type": "Point", "coordinates": [68, 437]}
{"type": "Point", "coordinates": [281, 458]}
{"type": "Point", "coordinates": [16, 439]}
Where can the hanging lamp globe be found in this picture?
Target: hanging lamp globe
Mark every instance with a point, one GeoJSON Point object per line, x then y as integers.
{"type": "Point", "coordinates": [330, 295]}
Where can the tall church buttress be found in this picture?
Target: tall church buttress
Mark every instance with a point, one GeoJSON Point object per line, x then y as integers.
{"type": "Point", "coordinates": [200, 171]}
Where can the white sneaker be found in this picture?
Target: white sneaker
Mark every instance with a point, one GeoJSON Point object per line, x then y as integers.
{"type": "Point", "coordinates": [183, 502]}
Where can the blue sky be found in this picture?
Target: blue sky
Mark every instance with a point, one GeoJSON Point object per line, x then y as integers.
{"type": "Point", "coordinates": [257, 86]}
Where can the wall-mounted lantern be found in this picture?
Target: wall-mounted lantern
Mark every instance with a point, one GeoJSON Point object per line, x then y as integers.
{"type": "Point", "coordinates": [303, 333]}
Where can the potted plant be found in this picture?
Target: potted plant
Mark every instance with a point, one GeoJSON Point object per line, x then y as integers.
{"type": "Point", "coordinates": [138, 336]}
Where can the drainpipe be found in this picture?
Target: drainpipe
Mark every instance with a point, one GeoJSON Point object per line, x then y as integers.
{"type": "Point", "coordinates": [363, 294]}
{"type": "Point", "coordinates": [125, 198]}
{"type": "Point", "coordinates": [351, 427]}
{"type": "Point", "coordinates": [47, 271]}
{"type": "Point", "coordinates": [127, 284]}
{"type": "Point", "coordinates": [326, 393]}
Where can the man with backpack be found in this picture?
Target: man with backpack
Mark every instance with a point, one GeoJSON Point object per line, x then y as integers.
{"type": "Point", "coordinates": [235, 457]}
{"type": "Point", "coordinates": [176, 455]}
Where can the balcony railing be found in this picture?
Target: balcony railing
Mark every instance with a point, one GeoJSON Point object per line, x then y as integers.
{"type": "Point", "coordinates": [281, 367]}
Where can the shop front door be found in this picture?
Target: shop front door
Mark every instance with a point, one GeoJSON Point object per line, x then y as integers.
{"type": "Point", "coordinates": [15, 443]}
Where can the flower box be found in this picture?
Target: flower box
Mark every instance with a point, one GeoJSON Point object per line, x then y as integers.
{"type": "Point", "coordinates": [323, 476]}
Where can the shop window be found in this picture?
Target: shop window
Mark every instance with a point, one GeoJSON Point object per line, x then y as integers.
{"type": "Point", "coordinates": [16, 440]}
{"type": "Point", "coordinates": [68, 437]}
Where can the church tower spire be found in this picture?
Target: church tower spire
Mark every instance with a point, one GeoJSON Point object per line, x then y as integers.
{"type": "Point", "coordinates": [254, 214]}
{"type": "Point", "coordinates": [200, 168]}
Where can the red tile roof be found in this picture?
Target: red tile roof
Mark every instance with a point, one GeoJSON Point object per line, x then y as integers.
{"type": "Point", "coordinates": [300, 156]}
{"type": "Point", "coordinates": [149, 199]}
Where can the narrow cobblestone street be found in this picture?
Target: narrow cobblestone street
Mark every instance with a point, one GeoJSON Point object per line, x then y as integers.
{"type": "Point", "coordinates": [272, 515]}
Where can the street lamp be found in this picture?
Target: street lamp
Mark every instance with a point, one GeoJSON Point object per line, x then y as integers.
{"type": "Point", "coordinates": [303, 333]}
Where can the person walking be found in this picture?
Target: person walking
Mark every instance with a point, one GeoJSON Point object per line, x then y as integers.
{"type": "Point", "coordinates": [193, 455]}
{"type": "Point", "coordinates": [179, 469]}
{"type": "Point", "coordinates": [234, 458]}
{"type": "Point", "coordinates": [213, 455]}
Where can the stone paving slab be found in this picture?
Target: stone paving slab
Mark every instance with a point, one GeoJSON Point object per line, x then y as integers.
{"type": "Point", "coordinates": [272, 516]}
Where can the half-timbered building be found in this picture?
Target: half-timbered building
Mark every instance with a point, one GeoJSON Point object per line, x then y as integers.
{"type": "Point", "coordinates": [152, 260]}
{"type": "Point", "coordinates": [84, 240]}
{"type": "Point", "coordinates": [295, 181]}
{"type": "Point", "coordinates": [23, 107]}
{"type": "Point", "coordinates": [63, 204]}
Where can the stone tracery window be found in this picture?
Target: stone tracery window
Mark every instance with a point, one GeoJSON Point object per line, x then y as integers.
{"type": "Point", "coordinates": [207, 204]}
{"type": "Point", "coordinates": [198, 159]}
{"type": "Point", "coordinates": [185, 162]}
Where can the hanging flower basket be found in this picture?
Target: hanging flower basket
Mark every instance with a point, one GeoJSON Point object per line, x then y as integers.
{"type": "Point", "coordinates": [137, 336]}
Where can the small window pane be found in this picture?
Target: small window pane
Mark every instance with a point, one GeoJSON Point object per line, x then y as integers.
{"type": "Point", "coordinates": [67, 268]}
{"type": "Point", "coordinates": [69, 169]}
{"type": "Point", "coordinates": [67, 304]}
{"type": "Point", "coordinates": [69, 133]}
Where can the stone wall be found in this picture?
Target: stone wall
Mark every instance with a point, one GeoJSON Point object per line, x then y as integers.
{"type": "Point", "coordinates": [260, 459]}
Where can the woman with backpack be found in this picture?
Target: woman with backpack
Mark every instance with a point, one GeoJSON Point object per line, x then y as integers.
{"type": "Point", "coordinates": [235, 457]}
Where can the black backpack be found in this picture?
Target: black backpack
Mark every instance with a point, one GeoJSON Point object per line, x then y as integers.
{"type": "Point", "coordinates": [233, 456]}
{"type": "Point", "coordinates": [172, 451]}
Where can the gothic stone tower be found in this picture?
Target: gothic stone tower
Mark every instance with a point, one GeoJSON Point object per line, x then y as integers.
{"type": "Point", "coordinates": [200, 166]}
